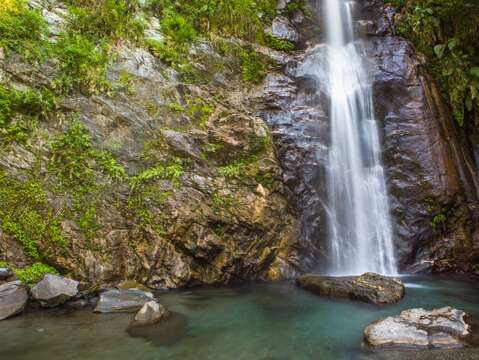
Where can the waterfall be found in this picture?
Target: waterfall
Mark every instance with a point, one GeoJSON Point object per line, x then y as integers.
{"type": "Point", "coordinates": [360, 230]}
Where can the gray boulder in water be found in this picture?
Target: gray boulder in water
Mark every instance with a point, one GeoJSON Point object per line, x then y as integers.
{"type": "Point", "coordinates": [444, 328]}
{"type": "Point", "coordinates": [151, 313]}
{"type": "Point", "coordinates": [369, 287]}
{"type": "Point", "coordinates": [13, 297]}
{"type": "Point", "coordinates": [122, 300]}
{"type": "Point", "coordinates": [54, 290]}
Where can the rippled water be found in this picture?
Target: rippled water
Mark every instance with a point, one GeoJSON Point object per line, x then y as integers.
{"type": "Point", "coordinates": [267, 321]}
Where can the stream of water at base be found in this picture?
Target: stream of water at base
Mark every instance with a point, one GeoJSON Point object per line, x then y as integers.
{"type": "Point", "coordinates": [254, 322]}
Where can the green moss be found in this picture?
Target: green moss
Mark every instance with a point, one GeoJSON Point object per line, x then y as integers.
{"type": "Point", "coordinates": [34, 273]}
{"type": "Point", "coordinates": [4, 264]}
{"type": "Point", "coordinates": [26, 216]}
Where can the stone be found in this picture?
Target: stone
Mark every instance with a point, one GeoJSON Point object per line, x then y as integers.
{"type": "Point", "coordinates": [444, 328]}
{"type": "Point", "coordinates": [151, 313]}
{"type": "Point", "coordinates": [122, 301]}
{"type": "Point", "coordinates": [13, 297]}
{"type": "Point", "coordinates": [169, 331]}
{"type": "Point", "coordinates": [369, 287]}
{"type": "Point", "coordinates": [5, 273]}
{"type": "Point", "coordinates": [54, 290]}
{"type": "Point", "coordinates": [282, 28]}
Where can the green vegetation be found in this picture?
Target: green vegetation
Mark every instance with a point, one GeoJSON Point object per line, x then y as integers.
{"type": "Point", "coordinates": [82, 64]}
{"type": "Point", "coordinates": [221, 201]}
{"type": "Point", "coordinates": [20, 110]}
{"type": "Point", "coordinates": [22, 30]}
{"type": "Point", "coordinates": [79, 166]}
{"type": "Point", "coordinates": [447, 32]}
{"type": "Point", "coordinates": [279, 44]}
{"type": "Point", "coordinates": [253, 69]}
{"type": "Point", "coordinates": [76, 161]}
{"type": "Point", "coordinates": [26, 216]}
{"type": "Point", "coordinates": [3, 264]}
{"type": "Point", "coordinates": [107, 19]}
{"type": "Point", "coordinates": [172, 171]}
{"type": "Point", "coordinates": [240, 18]}
{"type": "Point", "coordinates": [34, 273]}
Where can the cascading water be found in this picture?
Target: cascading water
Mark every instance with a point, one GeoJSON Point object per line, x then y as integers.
{"type": "Point", "coordinates": [360, 231]}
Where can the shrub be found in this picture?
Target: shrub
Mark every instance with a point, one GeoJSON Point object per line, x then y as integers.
{"type": "Point", "coordinates": [31, 102]}
{"type": "Point", "coordinates": [447, 32]}
{"type": "Point", "coordinates": [82, 64]}
{"type": "Point", "coordinates": [278, 44]}
{"type": "Point", "coordinates": [113, 19]}
{"type": "Point", "coordinates": [252, 68]}
{"type": "Point", "coordinates": [22, 30]}
{"type": "Point", "coordinates": [34, 273]}
{"type": "Point", "coordinates": [177, 27]}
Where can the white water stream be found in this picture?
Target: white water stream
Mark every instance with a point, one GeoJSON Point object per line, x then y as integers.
{"type": "Point", "coordinates": [360, 231]}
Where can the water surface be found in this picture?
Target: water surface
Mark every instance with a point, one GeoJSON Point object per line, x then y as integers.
{"type": "Point", "coordinates": [253, 322]}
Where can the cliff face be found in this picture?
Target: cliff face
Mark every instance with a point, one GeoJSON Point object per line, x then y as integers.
{"type": "Point", "coordinates": [159, 180]}
{"type": "Point", "coordinates": [432, 179]}
{"type": "Point", "coordinates": [207, 180]}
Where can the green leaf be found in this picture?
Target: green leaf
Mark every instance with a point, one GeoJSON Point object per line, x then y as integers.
{"type": "Point", "coordinates": [474, 72]}
{"type": "Point", "coordinates": [439, 50]}
{"type": "Point", "coordinates": [452, 43]}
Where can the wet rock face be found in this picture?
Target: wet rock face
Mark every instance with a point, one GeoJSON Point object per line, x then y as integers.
{"type": "Point", "coordinates": [444, 328]}
{"type": "Point", "coordinates": [54, 290]}
{"type": "Point", "coordinates": [369, 287]}
{"type": "Point", "coordinates": [13, 297]}
{"type": "Point", "coordinates": [122, 301]}
{"type": "Point", "coordinates": [429, 169]}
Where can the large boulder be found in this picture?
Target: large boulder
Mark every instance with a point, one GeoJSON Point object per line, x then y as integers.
{"type": "Point", "coordinates": [369, 287]}
{"type": "Point", "coordinates": [122, 300]}
{"type": "Point", "coordinates": [54, 290]}
{"type": "Point", "coordinates": [13, 297]}
{"type": "Point", "coordinates": [151, 313]}
{"type": "Point", "coordinates": [419, 328]}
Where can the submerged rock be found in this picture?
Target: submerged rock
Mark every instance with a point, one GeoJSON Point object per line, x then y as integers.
{"type": "Point", "coordinates": [13, 297]}
{"type": "Point", "coordinates": [171, 330]}
{"type": "Point", "coordinates": [151, 313]}
{"type": "Point", "coordinates": [122, 300]}
{"type": "Point", "coordinates": [418, 328]}
{"type": "Point", "coordinates": [369, 287]}
{"type": "Point", "coordinates": [54, 290]}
